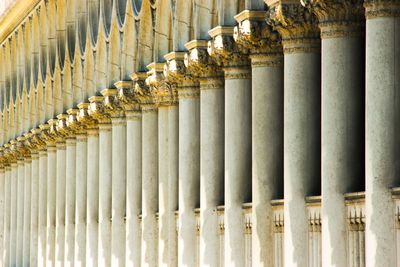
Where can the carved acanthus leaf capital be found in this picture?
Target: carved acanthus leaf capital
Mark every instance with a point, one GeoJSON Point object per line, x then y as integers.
{"type": "Point", "coordinates": [9, 153]}
{"type": "Point", "coordinates": [178, 76]}
{"type": "Point", "coordinates": [126, 96]}
{"type": "Point", "coordinates": [48, 134]}
{"type": "Point", "coordinates": [296, 24]}
{"type": "Point", "coordinates": [74, 127]}
{"type": "Point", "coordinates": [111, 103]}
{"type": "Point", "coordinates": [97, 110]}
{"type": "Point", "coordinates": [338, 18]}
{"type": "Point", "coordinates": [254, 35]}
{"type": "Point", "coordinates": [224, 50]}
{"type": "Point", "coordinates": [382, 8]}
{"type": "Point", "coordinates": [84, 118]}
{"type": "Point", "coordinates": [34, 141]}
{"type": "Point", "coordinates": [145, 89]}
{"type": "Point", "coordinates": [199, 63]}
{"type": "Point", "coordinates": [22, 150]}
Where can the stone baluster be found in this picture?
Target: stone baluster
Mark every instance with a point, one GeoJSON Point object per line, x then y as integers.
{"type": "Point", "coordinates": [146, 94]}
{"type": "Point", "coordinates": [301, 47]}
{"type": "Point", "coordinates": [382, 133]}
{"type": "Point", "coordinates": [70, 188]}
{"type": "Point", "coordinates": [128, 101]}
{"type": "Point", "coordinates": [211, 82]}
{"type": "Point", "coordinates": [265, 49]}
{"type": "Point", "coordinates": [96, 110]}
{"type": "Point", "coordinates": [342, 33]}
{"type": "Point", "coordinates": [92, 198]}
{"type": "Point", "coordinates": [118, 194]}
{"type": "Point", "coordinates": [237, 139]}
{"type": "Point", "coordinates": [189, 155]}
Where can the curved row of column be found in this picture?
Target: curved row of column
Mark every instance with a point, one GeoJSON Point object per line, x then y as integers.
{"type": "Point", "coordinates": [274, 108]}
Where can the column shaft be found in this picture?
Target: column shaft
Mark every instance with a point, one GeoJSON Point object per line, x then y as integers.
{"type": "Point", "coordinates": [42, 207]}
{"type": "Point", "coordinates": [237, 161]}
{"type": "Point", "coordinates": [80, 208]}
{"type": "Point", "coordinates": [267, 152]}
{"type": "Point", "coordinates": [34, 244]}
{"type": "Point", "coordinates": [105, 195]}
{"type": "Point", "coordinates": [70, 189]}
{"type": "Point", "coordinates": [149, 187]}
{"type": "Point", "coordinates": [27, 212]}
{"type": "Point", "coordinates": [51, 204]}
{"type": "Point", "coordinates": [60, 204]}
{"type": "Point", "coordinates": [7, 216]}
{"type": "Point", "coordinates": [92, 198]}
{"type": "Point", "coordinates": [20, 211]}
{"type": "Point", "coordinates": [14, 214]}
{"type": "Point", "coordinates": [211, 167]}
{"type": "Point", "coordinates": [118, 191]}
{"type": "Point", "coordinates": [2, 214]}
{"type": "Point", "coordinates": [382, 131]}
{"type": "Point", "coordinates": [134, 188]}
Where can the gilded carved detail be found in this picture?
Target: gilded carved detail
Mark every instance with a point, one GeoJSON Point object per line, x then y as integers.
{"type": "Point", "coordinates": [338, 18]}
{"type": "Point", "coordinates": [145, 88]}
{"type": "Point", "coordinates": [126, 97]}
{"type": "Point", "coordinates": [253, 35]}
{"type": "Point", "coordinates": [84, 118]}
{"type": "Point", "coordinates": [97, 110]}
{"type": "Point", "coordinates": [381, 8]}
{"type": "Point", "coordinates": [297, 26]}
{"type": "Point", "coordinates": [111, 103]}
{"type": "Point", "coordinates": [224, 50]}
{"type": "Point", "coordinates": [177, 75]}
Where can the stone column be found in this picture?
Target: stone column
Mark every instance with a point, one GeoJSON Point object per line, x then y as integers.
{"type": "Point", "coordinates": [168, 173]}
{"type": "Point", "coordinates": [148, 106]}
{"type": "Point", "coordinates": [92, 215]}
{"type": "Point", "coordinates": [3, 219]}
{"type": "Point", "coordinates": [60, 178]}
{"type": "Point", "coordinates": [189, 157]}
{"type": "Point", "coordinates": [70, 191]}
{"type": "Point", "coordinates": [34, 205]}
{"type": "Point", "coordinates": [7, 215]}
{"type": "Point", "coordinates": [27, 236]}
{"type": "Point", "coordinates": [237, 139]}
{"type": "Point", "coordinates": [200, 65]}
{"type": "Point", "coordinates": [20, 209]}
{"type": "Point", "coordinates": [342, 34]}
{"type": "Point", "coordinates": [382, 133]}
{"type": "Point", "coordinates": [14, 214]}
{"type": "Point", "coordinates": [96, 110]}
{"type": "Point", "coordinates": [42, 202]}
{"type": "Point", "coordinates": [266, 56]}
{"type": "Point", "coordinates": [118, 198]}
{"type": "Point", "coordinates": [301, 47]}
{"type": "Point", "coordinates": [81, 192]}
{"type": "Point", "coordinates": [47, 130]}
{"type": "Point", "coordinates": [133, 172]}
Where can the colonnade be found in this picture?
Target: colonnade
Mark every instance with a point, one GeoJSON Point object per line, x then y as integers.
{"type": "Point", "coordinates": [273, 129]}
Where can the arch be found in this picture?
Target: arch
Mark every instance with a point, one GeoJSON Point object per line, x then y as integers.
{"type": "Point", "coordinates": [61, 32]}
{"type": "Point", "coordinates": [88, 74]}
{"type": "Point", "coordinates": [162, 36]}
{"type": "Point", "coordinates": [40, 102]}
{"type": "Point", "coordinates": [51, 32]}
{"type": "Point", "coordinates": [100, 61]}
{"type": "Point", "coordinates": [35, 47]}
{"type": "Point", "coordinates": [94, 17]}
{"type": "Point", "coordinates": [106, 11]}
{"type": "Point", "coordinates": [82, 17]}
{"type": "Point", "coordinates": [28, 54]}
{"type": "Point", "coordinates": [129, 45]}
{"type": "Point", "coordinates": [136, 7]}
{"type": "Point", "coordinates": [121, 11]}
{"type": "Point", "coordinates": [11, 122]}
{"type": "Point", "coordinates": [77, 95]}
{"type": "Point", "coordinates": [57, 92]}
{"type": "Point", "coordinates": [20, 57]}
{"type": "Point", "coordinates": [33, 119]}
{"type": "Point", "coordinates": [114, 56]}
{"type": "Point", "coordinates": [24, 111]}
{"type": "Point", "coordinates": [18, 115]}
{"type": "Point", "coordinates": [71, 28]}
{"type": "Point", "coordinates": [67, 85]}
{"type": "Point", "coordinates": [49, 104]}
{"type": "Point", "coordinates": [43, 23]}
{"type": "Point", "coordinates": [13, 66]}
{"type": "Point", "coordinates": [145, 40]}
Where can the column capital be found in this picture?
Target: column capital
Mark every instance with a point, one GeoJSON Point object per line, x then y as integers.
{"type": "Point", "coordinates": [97, 110]}
{"type": "Point", "coordinates": [62, 125]}
{"type": "Point", "coordinates": [145, 87]}
{"type": "Point", "coordinates": [74, 126]}
{"type": "Point", "coordinates": [47, 136]}
{"type": "Point", "coordinates": [176, 74]}
{"type": "Point", "coordinates": [111, 103]}
{"type": "Point", "coordinates": [255, 36]}
{"type": "Point", "coordinates": [34, 140]}
{"type": "Point", "coordinates": [85, 119]}
{"type": "Point", "coordinates": [296, 24]}
{"type": "Point", "coordinates": [22, 150]}
{"type": "Point", "coordinates": [199, 63]}
{"type": "Point", "coordinates": [9, 153]}
{"type": "Point", "coordinates": [224, 50]}
{"type": "Point", "coordinates": [381, 8]}
{"type": "Point", "coordinates": [338, 18]}
{"type": "Point", "coordinates": [127, 98]}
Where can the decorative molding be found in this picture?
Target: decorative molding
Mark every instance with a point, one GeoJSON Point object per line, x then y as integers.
{"type": "Point", "coordinates": [338, 18]}
{"type": "Point", "coordinates": [145, 88]}
{"type": "Point", "coordinates": [111, 103]}
{"type": "Point", "coordinates": [97, 110]}
{"type": "Point", "coordinates": [297, 26]}
{"type": "Point", "coordinates": [381, 8]}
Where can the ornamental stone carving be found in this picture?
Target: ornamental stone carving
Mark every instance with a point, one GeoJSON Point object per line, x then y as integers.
{"type": "Point", "coordinates": [255, 35]}
{"type": "Point", "coordinates": [145, 86]}
{"type": "Point", "coordinates": [74, 126]}
{"type": "Point", "coordinates": [296, 24]}
{"type": "Point", "coordinates": [176, 75]}
{"type": "Point", "coordinates": [47, 134]}
{"type": "Point", "coordinates": [338, 18]}
{"type": "Point", "coordinates": [97, 110]}
{"type": "Point", "coordinates": [126, 97]}
{"type": "Point", "coordinates": [381, 8]}
{"type": "Point", "coordinates": [84, 118]}
{"type": "Point", "coordinates": [111, 103]}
